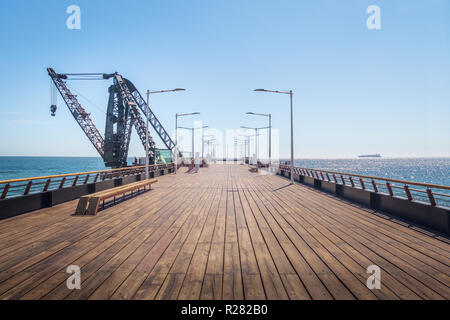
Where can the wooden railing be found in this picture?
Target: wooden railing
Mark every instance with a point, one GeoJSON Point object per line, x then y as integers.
{"type": "Point", "coordinates": [24, 186]}
{"type": "Point", "coordinates": [433, 194]}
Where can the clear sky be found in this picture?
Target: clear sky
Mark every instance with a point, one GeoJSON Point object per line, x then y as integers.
{"type": "Point", "coordinates": [356, 90]}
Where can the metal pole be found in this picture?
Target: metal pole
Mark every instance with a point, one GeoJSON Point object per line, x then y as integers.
{"type": "Point", "coordinates": [256, 145]}
{"type": "Point", "coordinates": [146, 137]}
{"type": "Point", "coordinates": [248, 148]}
{"type": "Point", "coordinates": [292, 139]}
{"type": "Point", "coordinates": [176, 143]}
{"type": "Point", "coordinates": [203, 144]}
{"type": "Point", "coordinates": [192, 143]}
{"type": "Point", "coordinates": [270, 142]}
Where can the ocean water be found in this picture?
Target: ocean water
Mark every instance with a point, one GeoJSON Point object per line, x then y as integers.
{"type": "Point", "coordinates": [26, 167]}
{"type": "Point", "coordinates": [429, 170]}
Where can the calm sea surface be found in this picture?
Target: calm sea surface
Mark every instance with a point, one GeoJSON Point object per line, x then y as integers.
{"type": "Point", "coordinates": [430, 170]}
{"type": "Point", "coordinates": [26, 167]}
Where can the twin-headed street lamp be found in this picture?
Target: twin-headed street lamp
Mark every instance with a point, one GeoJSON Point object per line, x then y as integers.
{"type": "Point", "coordinates": [256, 138]}
{"type": "Point", "coordinates": [270, 134]}
{"type": "Point", "coordinates": [209, 142]}
{"type": "Point", "coordinates": [193, 129]}
{"type": "Point", "coordinates": [241, 143]}
{"type": "Point", "coordinates": [203, 142]}
{"type": "Point", "coordinates": [147, 115]}
{"type": "Point", "coordinates": [247, 146]}
{"type": "Point", "coordinates": [290, 93]}
{"type": "Point", "coordinates": [176, 135]}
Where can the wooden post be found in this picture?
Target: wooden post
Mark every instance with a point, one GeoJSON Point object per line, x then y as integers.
{"type": "Point", "coordinates": [361, 181]}
{"type": "Point", "coordinates": [408, 193]}
{"type": "Point", "coordinates": [62, 182]}
{"type": "Point", "coordinates": [351, 181]}
{"type": "Point", "coordinates": [388, 186]}
{"type": "Point", "coordinates": [28, 187]}
{"type": "Point", "coordinates": [75, 181]}
{"type": "Point", "coordinates": [374, 185]}
{"type": "Point", "coordinates": [47, 184]}
{"type": "Point", "coordinates": [431, 197]}
{"type": "Point", "coordinates": [5, 191]}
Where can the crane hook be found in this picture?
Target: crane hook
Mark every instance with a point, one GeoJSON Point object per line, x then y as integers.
{"type": "Point", "coordinates": [53, 109]}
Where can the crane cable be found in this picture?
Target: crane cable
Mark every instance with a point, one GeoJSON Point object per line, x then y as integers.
{"type": "Point", "coordinates": [53, 95]}
{"type": "Point", "coordinates": [85, 98]}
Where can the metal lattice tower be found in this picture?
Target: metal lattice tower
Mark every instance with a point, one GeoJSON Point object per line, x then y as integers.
{"type": "Point", "coordinates": [125, 105]}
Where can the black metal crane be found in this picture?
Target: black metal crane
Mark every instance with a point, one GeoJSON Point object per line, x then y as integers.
{"type": "Point", "coordinates": [125, 105]}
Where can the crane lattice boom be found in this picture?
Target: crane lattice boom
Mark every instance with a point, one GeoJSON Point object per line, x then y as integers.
{"type": "Point", "coordinates": [124, 111]}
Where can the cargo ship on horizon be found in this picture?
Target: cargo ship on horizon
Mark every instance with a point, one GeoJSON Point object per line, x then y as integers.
{"type": "Point", "coordinates": [377, 155]}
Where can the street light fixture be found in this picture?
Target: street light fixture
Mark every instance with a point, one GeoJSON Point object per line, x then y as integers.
{"type": "Point", "coordinates": [193, 129]}
{"type": "Point", "coordinates": [256, 139]}
{"type": "Point", "coordinates": [290, 93]}
{"type": "Point", "coordinates": [146, 125]}
{"type": "Point", "coordinates": [270, 134]}
{"type": "Point", "coordinates": [176, 135]}
{"type": "Point", "coordinates": [247, 147]}
{"type": "Point", "coordinates": [241, 143]}
{"type": "Point", "coordinates": [203, 141]}
{"type": "Point", "coordinates": [209, 142]}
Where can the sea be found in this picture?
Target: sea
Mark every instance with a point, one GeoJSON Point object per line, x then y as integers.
{"type": "Point", "coordinates": [27, 167]}
{"type": "Point", "coordinates": [428, 170]}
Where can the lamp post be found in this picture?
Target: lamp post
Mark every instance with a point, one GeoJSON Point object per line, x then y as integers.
{"type": "Point", "coordinates": [241, 143]}
{"type": "Point", "coordinates": [176, 135]}
{"type": "Point", "coordinates": [247, 146]}
{"type": "Point", "coordinates": [147, 115]}
{"type": "Point", "coordinates": [193, 129]}
{"type": "Point", "coordinates": [290, 93]}
{"type": "Point", "coordinates": [270, 134]}
{"type": "Point", "coordinates": [209, 142]}
{"type": "Point", "coordinates": [203, 141]}
{"type": "Point", "coordinates": [256, 139]}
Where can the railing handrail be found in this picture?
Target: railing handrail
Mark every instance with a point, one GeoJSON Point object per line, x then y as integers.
{"type": "Point", "coordinates": [422, 184]}
{"type": "Point", "coordinates": [77, 173]}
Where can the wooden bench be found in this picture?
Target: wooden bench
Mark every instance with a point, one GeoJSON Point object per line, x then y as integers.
{"type": "Point", "coordinates": [92, 201]}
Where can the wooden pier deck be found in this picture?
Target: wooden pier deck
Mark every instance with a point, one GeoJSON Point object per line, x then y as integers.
{"type": "Point", "coordinates": [223, 233]}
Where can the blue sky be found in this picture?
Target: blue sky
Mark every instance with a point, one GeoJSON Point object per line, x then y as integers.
{"type": "Point", "coordinates": [356, 90]}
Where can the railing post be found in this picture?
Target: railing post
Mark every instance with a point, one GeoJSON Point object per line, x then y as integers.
{"type": "Point", "coordinates": [75, 181]}
{"type": "Point", "coordinates": [328, 177]}
{"type": "Point", "coordinates": [96, 177]}
{"type": "Point", "coordinates": [28, 187]}
{"type": "Point", "coordinates": [47, 184]}
{"type": "Point", "coordinates": [321, 174]}
{"type": "Point", "coordinates": [335, 179]}
{"type": "Point", "coordinates": [86, 180]}
{"type": "Point", "coordinates": [408, 193]}
{"type": "Point", "coordinates": [388, 186]}
{"type": "Point", "coordinates": [5, 191]}
{"type": "Point", "coordinates": [431, 197]}
{"type": "Point", "coordinates": [351, 181]}
{"type": "Point", "coordinates": [342, 178]}
{"type": "Point", "coordinates": [374, 185]}
{"type": "Point", "coordinates": [62, 182]}
{"type": "Point", "coordinates": [361, 181]}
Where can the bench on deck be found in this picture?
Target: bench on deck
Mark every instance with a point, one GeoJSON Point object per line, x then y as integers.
{"type": "Point", "coordinates": [253, 168]}
{"type": "Point", "coordinates": [92, 201]}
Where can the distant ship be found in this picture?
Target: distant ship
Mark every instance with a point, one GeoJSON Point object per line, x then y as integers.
{"type": "Point", "coordinates": [370, 156]}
